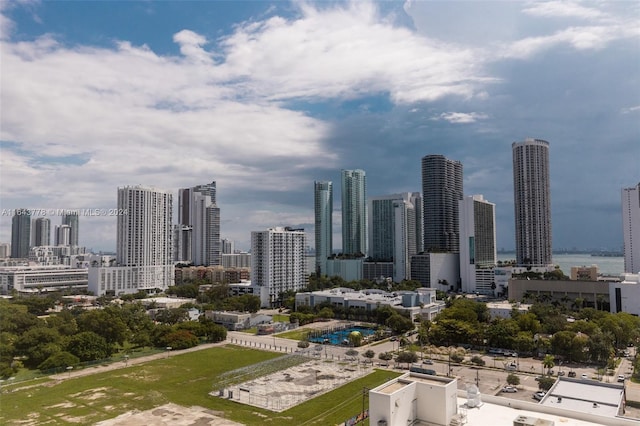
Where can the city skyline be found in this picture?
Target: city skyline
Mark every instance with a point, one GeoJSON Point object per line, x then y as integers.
{"type": "Point", "coordinates": [268, 97]}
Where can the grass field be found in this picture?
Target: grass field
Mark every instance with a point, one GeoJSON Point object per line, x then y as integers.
{"type": "Point", "coordinates": [182, 379]}
{"type": "Point", "coordinates": [297, 334]}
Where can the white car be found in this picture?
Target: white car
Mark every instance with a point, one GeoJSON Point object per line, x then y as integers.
{"type": "Point", "coordinates": [539, 395]}
{"type": "Point", "coordinates": [509, 389]}
{"type": "Point", "coordinates": [621, 378]}
{"type": "Point", "coordinates": [584, 377]}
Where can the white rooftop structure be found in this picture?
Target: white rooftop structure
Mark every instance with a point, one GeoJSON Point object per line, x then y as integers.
{"type": "Point", "coordinates": [579, 395]}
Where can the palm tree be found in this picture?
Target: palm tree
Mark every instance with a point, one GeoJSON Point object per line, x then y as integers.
{"type": "Point", "coordinates": [548, 363]}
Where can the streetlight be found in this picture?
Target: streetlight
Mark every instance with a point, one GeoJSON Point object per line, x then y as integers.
{"type": "Point", "coordinates": [69, 368]}
{"type": "Point", "coordinates": [168, 350]}
{"type": "Point", "coordinates": [126, 360]}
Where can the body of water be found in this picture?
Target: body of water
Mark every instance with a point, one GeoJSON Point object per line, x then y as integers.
{"type": "Point", "coordinates": [607, 265]}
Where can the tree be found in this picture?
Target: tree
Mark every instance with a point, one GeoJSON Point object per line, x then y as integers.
{"type": "Point", "coordinates": [351, 352]}
{"type": "Point", "coordinates": [477, 360]}
{"type": "Point", "coordinates": [545, 383]}
{"type": "Point", "coordinates": [399, 324]}
{"type": "Point", "coordinates": [385, 356]}
{"type": "Point", "coordinates": [59, 360]}
{"type": "Point", "coordinates": [548, 363]}
{"type": "Point", "coordinates": [355, 338]}
{"type": "Point", "coordinates": [369, 354]}
{"type": "Point", "coordinates": [407, 357]}
{"type": "Point", "coordinates": [325, 313]}
{"type": "Point", "coordinates": [181, 339]}
{"type": "Point", "coordinates": [303, 344]}
{"type": "Point", "coordinates": [105, 322]}
{"type": "Point", "coordinates": [38, 344]}
{"type": "Point", "coordinates": [89, 346]}
{"type": "Point", "coordinates": [513, 379]}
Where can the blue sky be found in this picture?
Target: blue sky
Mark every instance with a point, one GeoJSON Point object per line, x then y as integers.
{"type": "Point", "coordinates": [266, 97]}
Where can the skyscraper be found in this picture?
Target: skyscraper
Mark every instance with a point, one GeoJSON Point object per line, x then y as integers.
{"type": "Point", "coordinates": [71, 219]}
{"type": "Point", "coordinates": [144, 233]}
{"type": "Point", "coordinates": [441, 191]}
{"type": "Point", "coordinates": [278, 261]}
{"type": "Point", "coordinates": [532, 200]}
{"type": "Point", "coordinates": [323, 208]}
{"type": "Point", "coordinates": [477, 244]}
{"type": "Point", "coordinates": [631, 228]}
{"type": "Point", "coordinates": [42, 229]}
{"type": "Point", "coordinates": [392, 231]}
{"type": "Point", "coordinates": [63, 235]}
{"type": "Point", "coordinates": [198, 209]}
{"type": "Point", "coordinates": [354, 212]}
{"type": "Point", "coordinates": [20, 233]}
{"type": "Point", "coordinates": [143, 245]}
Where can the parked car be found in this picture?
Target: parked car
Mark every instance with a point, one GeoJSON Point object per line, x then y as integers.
{"type": "Point", "coordinates": [621, 378]}
{"type": "Point", "coordinates": [539, 395]}
{"type": "Point", "coordinates": [428, 362]}
{"type": "Point", "coordinates": [572, 374]}
{"type": "Point", "coordinates": [509, 389]}
{"type": "Point", "coordinates": [584, 377]}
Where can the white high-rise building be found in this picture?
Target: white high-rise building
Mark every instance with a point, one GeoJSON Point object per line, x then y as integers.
{"type": "Point", "coordinates": [354, 212]}
{"type": "Point", "coordinates": [144, 245]}
{"type": "Point", "coordinates": [198, 209]}
{"type": "Point", "coordinates": [532, 201]}
{"type": "Point", "coordinates": [323, 209]}
{"type": "Point", "coordinates": [278, 261]}
{"type": "Point", "coordinates": [392, 231]}
{"type": "Point", "coordinates": [228, 246]}
{"type": "Point", "coordinates": [477, 244]}
{"type": "Point", "coordinates": [71, 219]}
{"type": "Point", "coordinates": [63, 235]}
{"type": "Point", "coordinates": [631, 228]}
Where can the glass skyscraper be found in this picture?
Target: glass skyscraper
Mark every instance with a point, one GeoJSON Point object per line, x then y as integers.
{"type": "Point", "coordinates": [323, 208]}
{"type": "Point", "coordinates": [532, 200]}
{"type": "Point", "coordinates": [441, 191]}
{"type": "Point", "coordinates": [354, 212]}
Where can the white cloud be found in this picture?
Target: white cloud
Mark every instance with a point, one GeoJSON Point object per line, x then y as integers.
{"type": "Point", "coordinates": [563, 9]}
{"type": "Point", "coordinates": [460, 117]}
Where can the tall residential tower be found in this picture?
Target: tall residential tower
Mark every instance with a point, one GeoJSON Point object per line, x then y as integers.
{"type": "Point", "coordinates": [631, 228]}
{"type": "Point", "coordinates": [532, 200]}
{"type": "Point", "coordinates": [441, 191]}
{"type": "Point", "coordinates": [477, 245]}
{"type": "Point", "coordinates": [278, 261]}
{"type": "Point", "coordinates": [323, 208]}
{"type": "Point", "coordinates": [198, 209]}
{"type": "Point", "coordinates": [354, 212]}
{"type": "Point", "coordinates": [20, 233]}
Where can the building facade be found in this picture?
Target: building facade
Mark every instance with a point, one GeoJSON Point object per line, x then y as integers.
{"type": "Point", "coordinates": [532, 200]}
{"type": "Point", "coordinates": [323, 209]}
{"type": "Point", "coordinates": [477, 245]}
{"type": "Point", "coordinates": [354, 212]}
{"type": "Point", "coordinates": [71, 219]}
{"type": "Point", "coordinates": [198, 209]}
{"type": "Point", "coordinates": [144, 260]}
{"type": "Point", "coordinates": [38, 279]}
{"type": "Point", "coordinates": [392, 231]}
{"type": "Point", "coordinates": [63, 235]}
{"type": "Point", "coordinates": [42, 231]}
{"type": "Point", "coordinates": [631, 228]}
{"type": "Point", "coordinates": [20, 233]}
{"type": "Point", "coordinates": [441, 191]}
{"type": "Point", "coordinates": [278, 261]}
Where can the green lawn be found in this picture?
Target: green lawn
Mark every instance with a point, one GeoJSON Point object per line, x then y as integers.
{"type": "Point", "coordinates": [297, 334]}
{"type": "Point", "coordinates": [182, 379]}
{"type": "Point", "coordinates": [280, 318]}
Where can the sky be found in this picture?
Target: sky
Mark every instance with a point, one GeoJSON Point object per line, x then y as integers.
{"type": "Point", "coordinates": [264, 97]}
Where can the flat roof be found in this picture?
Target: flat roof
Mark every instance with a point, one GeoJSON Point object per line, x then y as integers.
{"type": "Point", "coordinates": [593, 398]}
{"type": "Point", "coordinates": [493, 414]}
{"type": "Point", "coordinates": [389, 389]}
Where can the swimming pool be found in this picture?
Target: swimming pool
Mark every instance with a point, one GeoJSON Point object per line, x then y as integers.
{"type": "Point", "coordinates": [339, 337]}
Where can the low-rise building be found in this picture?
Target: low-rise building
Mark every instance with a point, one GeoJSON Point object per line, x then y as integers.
{"type": "Point", "coordinates": [503, 309]}
{"type": "Point", "coordinates": [37, 279]}
{"type": "Point", "coordinates": [421, 303]}
{"type": "Point", "coordinates": [237, 320]}
{"type": "Point", "coordinates": [624, 296]}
